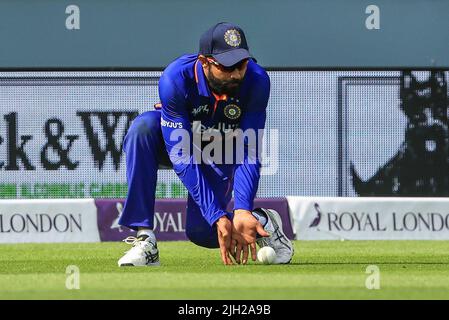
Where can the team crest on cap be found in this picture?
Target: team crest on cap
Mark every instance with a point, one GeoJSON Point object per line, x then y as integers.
{"type": "Point", "coordinates": [232, 111]}
{"type": "Point", "coordinates": [233, 38]}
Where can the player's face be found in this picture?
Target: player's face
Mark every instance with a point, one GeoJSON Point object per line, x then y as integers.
{"type": "Point", "coordinates": [225, 80]}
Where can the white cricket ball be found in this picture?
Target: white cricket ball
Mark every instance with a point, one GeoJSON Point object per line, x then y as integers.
{"type": "Point", "coordinates": [266, 255]}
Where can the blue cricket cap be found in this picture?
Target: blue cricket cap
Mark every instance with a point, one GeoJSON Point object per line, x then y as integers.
{"type": "Point", "coordinates": [226, 42]}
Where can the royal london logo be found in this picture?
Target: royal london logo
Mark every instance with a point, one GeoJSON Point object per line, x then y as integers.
{"type": "Point", "coordinates": [316, 221]}
{"type": "Point", "coordinates": [233, 38]}
{"type": "Point", "coordinates": [232, 111]}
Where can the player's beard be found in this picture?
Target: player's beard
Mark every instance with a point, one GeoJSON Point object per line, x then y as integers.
{"type": "Point", "coordinates": [228, 87]}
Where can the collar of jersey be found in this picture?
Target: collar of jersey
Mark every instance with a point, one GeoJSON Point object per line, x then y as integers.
{"type": "Point", "coordinates": [200, 78]}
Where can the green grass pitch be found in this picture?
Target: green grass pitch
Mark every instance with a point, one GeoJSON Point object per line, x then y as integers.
{"type": "Point", "coordinates": [319, 270]}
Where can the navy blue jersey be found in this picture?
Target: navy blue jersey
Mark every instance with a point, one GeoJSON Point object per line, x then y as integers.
{"type": "Point", "coordinates": [186, 99]}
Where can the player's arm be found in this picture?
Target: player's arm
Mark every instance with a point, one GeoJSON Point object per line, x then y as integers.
{"type": "Point", "coordinates": [177, 134]}
{"type": "Point", "coordinates": [179, 147]}
{"type": "Point", "coordinates": [247, 173]}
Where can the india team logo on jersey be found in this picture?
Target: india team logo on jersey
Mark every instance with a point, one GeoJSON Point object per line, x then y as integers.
{"type": "Point", "coordinates": [232, 111]}
{"type": "Point", "coordinates": [233, 38]}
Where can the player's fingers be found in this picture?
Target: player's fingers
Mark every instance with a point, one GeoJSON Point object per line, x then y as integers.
{"type": "Point", "coordinates": [227, 243]}
{"type": "Point", "coordinates": [245, 254]}
{"type": "Point", "coordinates": [253, 251]}
{"type": "Point", "coordinates": [228, 256]}
{"type": "Point", "coordinates": [226, 239]}
{"type": "Point", "coordinates": [234, 249]}
{"type": "Point", "coordinates": [234, 245]}
{"type": "Point", "coordinates": [223, 254]}
{"type": "Point", "coordinates": [223, 249]}
{"type": "Point", "coordinates": [261, 231]}
{"type": "Point", "coordinates": [223, 257]}
{"type": "Point", "coordinates": [238, 253]}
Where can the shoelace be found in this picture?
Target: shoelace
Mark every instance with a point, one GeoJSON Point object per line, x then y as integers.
{"type": "Point", "coordinates": [131, 240]}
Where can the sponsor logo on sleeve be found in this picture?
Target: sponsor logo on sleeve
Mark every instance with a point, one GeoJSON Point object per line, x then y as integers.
{"type": "Point", "coordinates": [170, 124]}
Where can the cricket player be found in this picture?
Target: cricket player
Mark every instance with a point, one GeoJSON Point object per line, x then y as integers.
{"type": "Point", "coordinates": [220, 89]}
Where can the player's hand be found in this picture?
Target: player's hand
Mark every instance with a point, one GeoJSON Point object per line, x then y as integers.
{"type": "Point", "coordinates": [224, 230]}
{"type": "Point", "coordinates": [244, 231]}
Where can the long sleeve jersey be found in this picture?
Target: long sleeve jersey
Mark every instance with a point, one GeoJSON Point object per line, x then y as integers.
{"type": "Point", "coordinates": [187, 99]}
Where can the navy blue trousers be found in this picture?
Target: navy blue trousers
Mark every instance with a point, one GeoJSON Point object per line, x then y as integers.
{"type": "Point", "coordinates": [145, 152]}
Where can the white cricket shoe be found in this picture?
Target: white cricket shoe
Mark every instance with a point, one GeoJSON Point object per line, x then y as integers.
{"type": "Point", "coordinates": [143, 253]}
{"type": "Point", "coordinates": [282, 246]}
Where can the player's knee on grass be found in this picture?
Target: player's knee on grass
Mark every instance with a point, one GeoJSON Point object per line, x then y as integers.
{"type": "Point", "coordinates": [203, 237]}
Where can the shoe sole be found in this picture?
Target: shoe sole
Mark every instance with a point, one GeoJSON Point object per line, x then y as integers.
{"type": "Point", "coordinates": [277, 221]}
{"type": "Point", "coordinates": [155, 264]}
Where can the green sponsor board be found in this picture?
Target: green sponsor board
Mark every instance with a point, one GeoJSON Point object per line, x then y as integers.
{"type": "Point", "coordinates": [8, 190]}
{"type": "Point", "coordinates": [81, 190]}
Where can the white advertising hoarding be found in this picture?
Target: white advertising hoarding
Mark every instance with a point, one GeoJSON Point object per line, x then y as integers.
{"type": "Point", "coordinates": [57, 220]}
{"type": "Point", "coordinates": [364, 218]}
